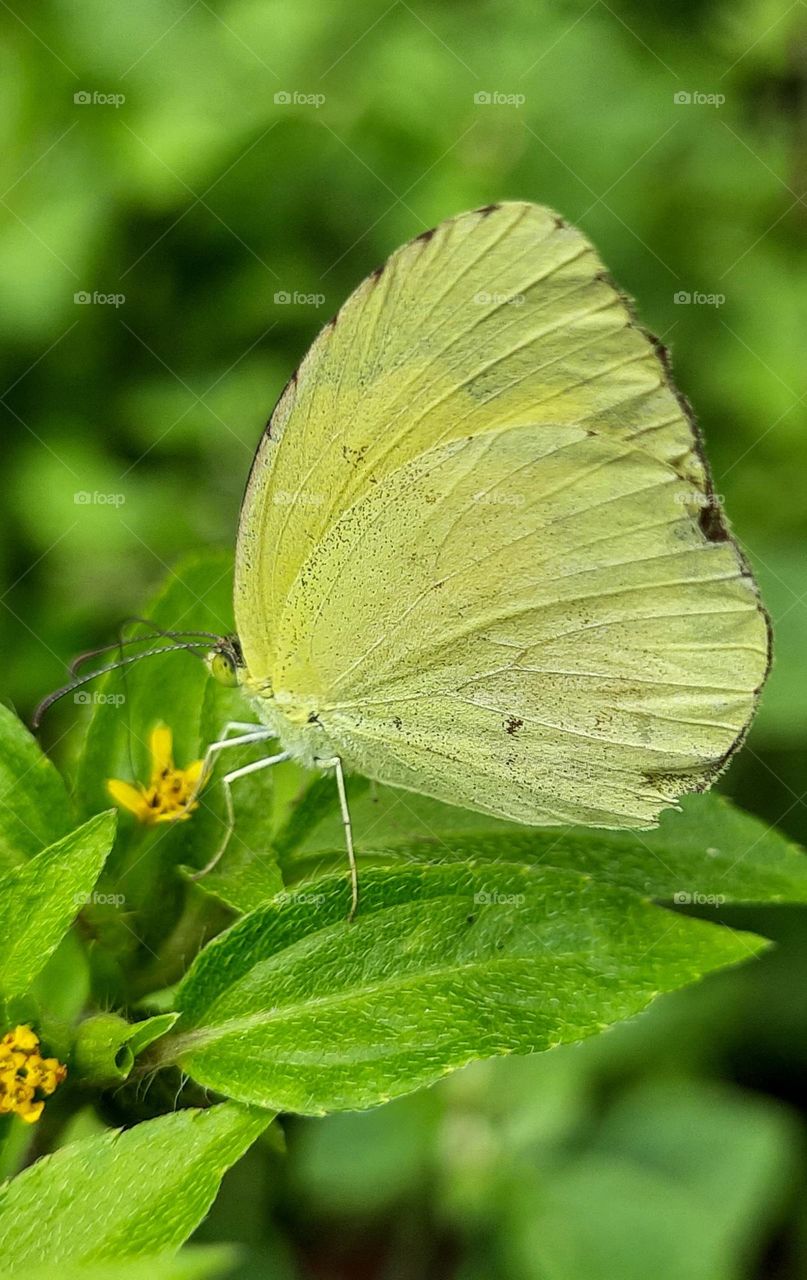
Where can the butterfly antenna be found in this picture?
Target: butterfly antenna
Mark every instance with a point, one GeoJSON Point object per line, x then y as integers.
{"type": "Point", "coordinates": [46, 703]}
{"type": "Point", "coordinates": [157, 633]}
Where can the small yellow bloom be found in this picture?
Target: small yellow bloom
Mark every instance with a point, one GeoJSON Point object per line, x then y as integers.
{"type": "Point", "coordinates": [171, 793]}
{"type": "Point", "coordinates": [23, 1071]}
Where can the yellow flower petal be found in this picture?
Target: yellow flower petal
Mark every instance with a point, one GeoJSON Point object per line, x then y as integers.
{"type": "Point", "coordinates": [193, 773]}
{"type": "Point", "coordinates": [128, 797]}
{"type": "Point", "coordinates": [161, 746]}
{"type": "Point", "coordinates": [30, 1111]}
{"type": "Point", "coordinates": [171, 793]}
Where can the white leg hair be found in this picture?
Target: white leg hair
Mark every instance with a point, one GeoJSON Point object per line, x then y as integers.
{"type": "Point", "coordinates": [336, 764]}
{"type": "Point", "coordinates": [259, 733]}
{"type": "Point", "coordinates": [229, 778]}
{"type": "Point", "coordinates": [251, 733]}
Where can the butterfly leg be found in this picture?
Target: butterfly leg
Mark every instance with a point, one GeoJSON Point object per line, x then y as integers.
{"type": "Point", "coordinates": [257, 734]}
{"type": "Point", "coordinates": [336, 764]}
{"type": "Point", "coordinates": [252, 733]}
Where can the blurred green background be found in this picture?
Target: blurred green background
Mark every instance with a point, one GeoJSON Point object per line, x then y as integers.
{"type": "Point", "coordinates": [189, 191]}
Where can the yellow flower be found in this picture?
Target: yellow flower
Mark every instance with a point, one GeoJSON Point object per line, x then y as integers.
{"type": "Point", "coordinates": [171, 793]}
{"type": "Point", "coordinates": [23, 1071]}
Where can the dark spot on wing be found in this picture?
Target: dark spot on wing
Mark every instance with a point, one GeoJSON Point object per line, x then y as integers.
{"type": "Point", "coordinates": [398, 722]}
{"type": "Point", "coordinates": [354, 456]}
{"type": "Point", "coordinates": [559, 221]}
{"type": "Point", "coordinates": [487, 208]}
{"type": "Point", "coordinates": [425, 236]}
{"type": "Point", "coordinates": [512, 724]}
{"type": "Point", "coordinates": [710, 521]}
{"type": "Point", "coordinates": [375, 276]}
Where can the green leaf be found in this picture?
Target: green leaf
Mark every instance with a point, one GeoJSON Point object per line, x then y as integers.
{"type": "Point", "coordinates": [40, 899]}
{"type": "Point", "coordinates": [708, 850]}
{"type": "Point", "coordinates": [35, 807]}
{"type": "Point", "coordinates": [126, 1194]}
{"type": "Point", "coordinates": [295, 1009]}
{"type": "Point", "coordinates": [679, 1180]}
{"type": "Point", "coordinates": [189, 1264]}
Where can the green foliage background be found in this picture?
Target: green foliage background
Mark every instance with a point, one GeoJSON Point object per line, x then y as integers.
{"type": "Point", "coordinates": [128, 432]}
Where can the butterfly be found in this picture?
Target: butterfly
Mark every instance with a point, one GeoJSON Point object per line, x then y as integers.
{"type": "Point", "coordinates": [480, 556]}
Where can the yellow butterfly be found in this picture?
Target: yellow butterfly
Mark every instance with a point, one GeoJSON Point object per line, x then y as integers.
{"type": "Point", "coordinates": [480, 556]}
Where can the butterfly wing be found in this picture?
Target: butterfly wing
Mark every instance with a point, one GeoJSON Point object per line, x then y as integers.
{"type": "Point", "coordinates": [479, 538]}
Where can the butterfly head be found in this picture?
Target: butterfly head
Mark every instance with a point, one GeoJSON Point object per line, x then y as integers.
{"type": "Point", "coordinates": [225, 661]}
{"type": "Point", "coordinates": [222, 655]}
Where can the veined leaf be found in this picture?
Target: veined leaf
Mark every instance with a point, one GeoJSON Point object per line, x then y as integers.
{"type": "Point", "coordinates": [40, 899]}
{"type": "Point", "coordinates": [710, 849]}
{"type": "Point", "coordinates": [124, 1194]}
{"type": "Point", "coordinates": [34, 805]}
{"type": "Point", "coordinates": [295, 1009]}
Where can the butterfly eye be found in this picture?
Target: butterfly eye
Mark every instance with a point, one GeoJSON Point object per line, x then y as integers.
{"type": "Point", "coordinates": [222, 668]}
